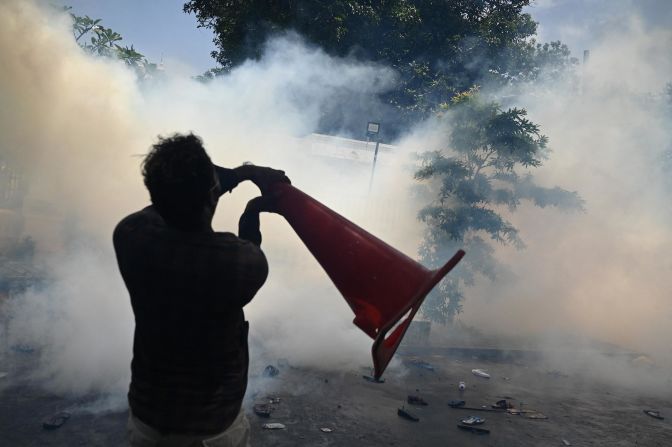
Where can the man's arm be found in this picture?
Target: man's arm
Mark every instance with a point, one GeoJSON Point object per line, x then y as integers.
{"type": "Point", "coordinates": [248, 225]}
{"type": "Point", "coordinates": [261, 176]}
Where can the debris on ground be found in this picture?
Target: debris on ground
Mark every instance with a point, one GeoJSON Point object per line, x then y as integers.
{"type": "Point", "coordinates": [416, 400]}
{"type": "Point", "coordinates": [529, 414]}
{"type": "Point", "coordinates": [3, 374]}
{"type": "Point", "coordinates": [273, 426]}
{"type": "Point", "coordinates": [502, 405]}
{"type": "Point", "coordinates": [23, 349]}
{"type": "Point", "coordinates": [373, 379]}
{"type": "Point", "coordinates": [55, 421]}
{"type": "Point", "coordinates": [566, 442]}
{"type": "Point", "coordinates": [263, 410]}
{"type": "Point", "coordinates": [326, 430]}
{"type": "Point", "coordinates": [420, 364]}
{"type": "Point", "coordinates": [483, 408]}
{"type": "Point", "coordinates": [402, 412]}
{"type": "Point", "coordinates": [271, 371]}
{"type": "Point", "coordinates": [480, 373]}
{"type": "Point", "coordinates": [557, 374]}
{"type": "Point", "coordinates": [456, 403]}
{"type": "Point", "coordinates": [471, 428]}
{"type": "Point", "coordinates": [273, 400]}
{"type": "Point", "coordinates": [654, 414]}
{"type": "Point", "coordinates": [473, 420]}
{"type": "Point", "coordinates": [461, 386]}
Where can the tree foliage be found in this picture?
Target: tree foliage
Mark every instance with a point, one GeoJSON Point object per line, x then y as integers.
{"type": "Point", "coordinates": [441, 50]}
{"type": "Point", "coordinates": [478, 175]}
{"type": "Point", "coordinates": [97, 40]}
{"type": "Point", "coordinates": [439, 47]}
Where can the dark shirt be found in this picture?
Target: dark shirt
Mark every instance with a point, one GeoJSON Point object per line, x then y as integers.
{"type": "Point", "coordinates": [190, 357]}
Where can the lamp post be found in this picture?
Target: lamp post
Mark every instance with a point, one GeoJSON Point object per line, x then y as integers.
{"type": "Point", "coordinates": [372, 130]}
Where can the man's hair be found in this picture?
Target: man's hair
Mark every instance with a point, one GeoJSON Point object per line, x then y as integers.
{"type": "Point", "coordinates": [179, 176]}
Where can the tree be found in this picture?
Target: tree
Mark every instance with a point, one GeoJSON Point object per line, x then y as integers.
{"type": "Point", "coordinates": [104, 42]}
{"type": "Point", "coordinates": [548, 62]}
{"type": "Point", "coordinates": [439, 47]}
{"type": "Point", "coordinates": [477, 175]}
{"type": "Point", "coordinates": [441, 50]}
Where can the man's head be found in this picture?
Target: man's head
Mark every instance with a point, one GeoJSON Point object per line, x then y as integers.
{"type": "Point", "coordinates": [181, 181]}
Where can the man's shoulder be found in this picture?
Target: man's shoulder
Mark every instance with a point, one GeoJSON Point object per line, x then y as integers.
{"type": "Point", "coordinates": [148, 225]}
{"type": "Point", "coordinates": [143, 218]}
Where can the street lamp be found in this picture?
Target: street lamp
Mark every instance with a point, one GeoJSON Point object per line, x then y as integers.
{"type": "Point", "coordinates": [372, 130]}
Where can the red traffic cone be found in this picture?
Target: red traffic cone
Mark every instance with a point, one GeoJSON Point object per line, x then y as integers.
{"type": "Point", "coordinates": [380, 284]}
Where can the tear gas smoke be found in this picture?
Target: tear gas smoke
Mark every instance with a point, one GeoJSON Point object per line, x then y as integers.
{"type": "Point", "coordinates": [596, 281]}
{"type": "Point", "coordinates": [76, 124]}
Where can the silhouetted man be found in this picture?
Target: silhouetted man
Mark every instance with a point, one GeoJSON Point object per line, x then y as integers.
{"type": "Point", "coordinates": [188, 285]}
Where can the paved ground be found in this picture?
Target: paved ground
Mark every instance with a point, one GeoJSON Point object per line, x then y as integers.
{"type": "Point", "coordinates": [579, 409]}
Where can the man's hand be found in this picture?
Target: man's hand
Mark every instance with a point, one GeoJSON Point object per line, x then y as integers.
{"type": "Point", "coordinates": [248, 225]}
{"type": "Point", "coordinates": [262, 176]}
{"type": "Point", "coordinates": [261, 204]}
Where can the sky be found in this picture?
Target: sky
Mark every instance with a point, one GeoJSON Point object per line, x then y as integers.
{"type": "Point", "coordinates": [579, 23]}
{"type": "Point", "coordinates": [162, 31]}
{"type": "Point", "coordinates": [158, 29]}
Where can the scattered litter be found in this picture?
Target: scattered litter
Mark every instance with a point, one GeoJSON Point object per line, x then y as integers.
{"type": "Point", "coordinates": [654, 414]}
{"type": "Point", "coordinates": [506, 378]}
{"type": "Point", "coordinates": [273, 400]}
{"type": "Point", "coordinates": [566, 442]}
{"type": "Point", "coordinates": [406, 415]}
{"type": "Point", "coordinates": [55, 421]}
{"type": "Point", "coordinates": [271, 371]}
{"type": "Point", "coordinates": [326, 430]}
{"type": "Point", "coordinates": [471, 428]}
{"type": "Point", "coordinates": [263, 410]}
{"type": "Point", "coordinates": [557, 374]}
{"type": "Point", "coordinates": [462, 386]}
{"type": "Point", "coordinates": [456, 403]}
{"type": "Point", "coordinates": [480, 373]}
{"type": "Point", "coordinates": [373, 379]}
{"type": "Point", "coordinates": [421, 364]}
{"type": "Point", "coordinates": [531, 414]}
{"type": "Point", "coordinates": [274, 426]}
{"type": "Point", "coordinates": [502, 405]}
{"type": "Point", "coordinates": [473, 420]}
{"type": "Point", "coordinates": [483, 408]}
{"type": "Point", "coordinates": [3, 374]}
{"type": "Point", "coordinates": [23, 349]}
{"type": "Point", "coordinates": [416, 400]}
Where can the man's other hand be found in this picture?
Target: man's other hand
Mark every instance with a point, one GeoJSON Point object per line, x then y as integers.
{"type": "Point", "coordinates": [261, 204]}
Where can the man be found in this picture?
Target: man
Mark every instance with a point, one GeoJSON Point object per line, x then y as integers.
{"type": "Point", "coordinates": [188, 285]}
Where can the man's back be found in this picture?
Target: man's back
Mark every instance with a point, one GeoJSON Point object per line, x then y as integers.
{"type": "Point", "coordinates": [190, 359]}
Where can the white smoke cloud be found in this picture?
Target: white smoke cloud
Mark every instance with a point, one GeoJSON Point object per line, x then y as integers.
{"type": "Point", "coordinates": [76, 125]}
{"type": "Point", "coordinates": [603, 274]}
